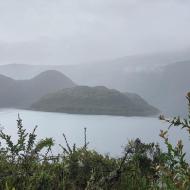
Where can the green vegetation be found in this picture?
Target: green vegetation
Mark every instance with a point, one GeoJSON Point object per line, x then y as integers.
{"type": "Point", "coordinates": [97, 100]}
{"type": "Point", "coordinates": [30, 165]}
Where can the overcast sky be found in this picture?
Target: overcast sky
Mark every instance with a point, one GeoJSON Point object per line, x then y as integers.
{"type": "Point", "coordinates": [77, 31]}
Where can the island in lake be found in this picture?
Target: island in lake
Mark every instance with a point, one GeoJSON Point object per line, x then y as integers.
{"type": "Point", "coordinates": [97, 100]}
{"type": "Point", "coordinates": [52, 91]}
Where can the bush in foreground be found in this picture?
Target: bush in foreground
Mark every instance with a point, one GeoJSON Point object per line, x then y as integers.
{"type": "Point", "coordinates": [30, 165]}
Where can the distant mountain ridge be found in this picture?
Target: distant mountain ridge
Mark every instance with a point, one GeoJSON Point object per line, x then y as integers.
{"type": "Point", "coordinates": [95, 100]}
{"type": "Point", "coordinates": [21, 93]}
{"type": "Point", "coordinates": [76, 72]}
{"type": "Point", "coordinates": [161, 79]}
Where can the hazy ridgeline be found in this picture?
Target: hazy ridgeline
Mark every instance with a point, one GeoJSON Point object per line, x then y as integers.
{"type": "Point", "coordinates": [22, 93]}
{"type": "Point", "coordinates": [161, 79]}
{"type": "Point", "coordinates": [54, 92]}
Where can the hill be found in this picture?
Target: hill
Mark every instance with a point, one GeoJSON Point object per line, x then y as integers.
{"type": "Point", "coordinates": [21, 93]}
{"type": "Point", "coordinates": [94, 100]}
{"type": "Point", "coordinates": [162, 79]}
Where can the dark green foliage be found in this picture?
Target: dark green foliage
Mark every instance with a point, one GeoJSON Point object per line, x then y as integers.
{"type": "Point", "coordinates": [29, 164]}
{"type": "Point", "coordinates": [95, 100]}
{"type": "Point", "coordinates": [175, 167]}
{"type": "Point", "coordinates": [21, 160]}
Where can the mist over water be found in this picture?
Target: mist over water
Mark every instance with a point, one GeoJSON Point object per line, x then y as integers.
{"type": "Point", "coordinates": [139, 48]}
{"type": "Point", "coordinates": [106, 134]}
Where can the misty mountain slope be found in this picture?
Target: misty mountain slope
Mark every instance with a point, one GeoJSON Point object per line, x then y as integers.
{"type": "Point", "coordinates": [50, 80]}
{"type": "Point", "coordinates": [6, 84]}
{"type": "Point", "coordinates": [162, 85]}
{"type": "Point", "coordinates": [21, 93]}
{"type": "Point", "coordinates": [137, 100]}
{"type": "Point", "coordinates": [78, 73]}
{"type": "Point", "coordinates": [5, 80]}
{"type": "Point", "coordinates": [94, 100]}
{"type": "Point", "coordinates": [165, 87]}
{"type": "Point", "coordinates": [161, 79]}
{"type": "Point", "coordinates": [171, 88]}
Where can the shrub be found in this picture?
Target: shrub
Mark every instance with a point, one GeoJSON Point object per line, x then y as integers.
{"type": "Point", "coordinates": [29, 164]}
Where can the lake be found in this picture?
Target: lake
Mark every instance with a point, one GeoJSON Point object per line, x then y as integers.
{"type": "Point", "coordinates": [106, 134]}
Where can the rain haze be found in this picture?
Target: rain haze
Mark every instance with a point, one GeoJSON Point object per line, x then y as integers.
{"type": "Point", "coordinates": [72, 32]}
{"type": "Point", "coordinates": [107, 85]}
{"type": "Point", "coordinates": [136, 46]}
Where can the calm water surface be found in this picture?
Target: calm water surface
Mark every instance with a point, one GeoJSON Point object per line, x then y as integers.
{"type": "Point", "coordinates": [106, 134]}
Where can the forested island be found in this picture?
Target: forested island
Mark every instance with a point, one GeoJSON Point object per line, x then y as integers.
{"type": "Point", "coordinates": [54, 92]}
{"type": "Point", "coordinates": [95, 100]}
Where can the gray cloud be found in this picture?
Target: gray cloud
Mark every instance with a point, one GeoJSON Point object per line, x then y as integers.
{"type": "Point", "coordinates": [72, 31]}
